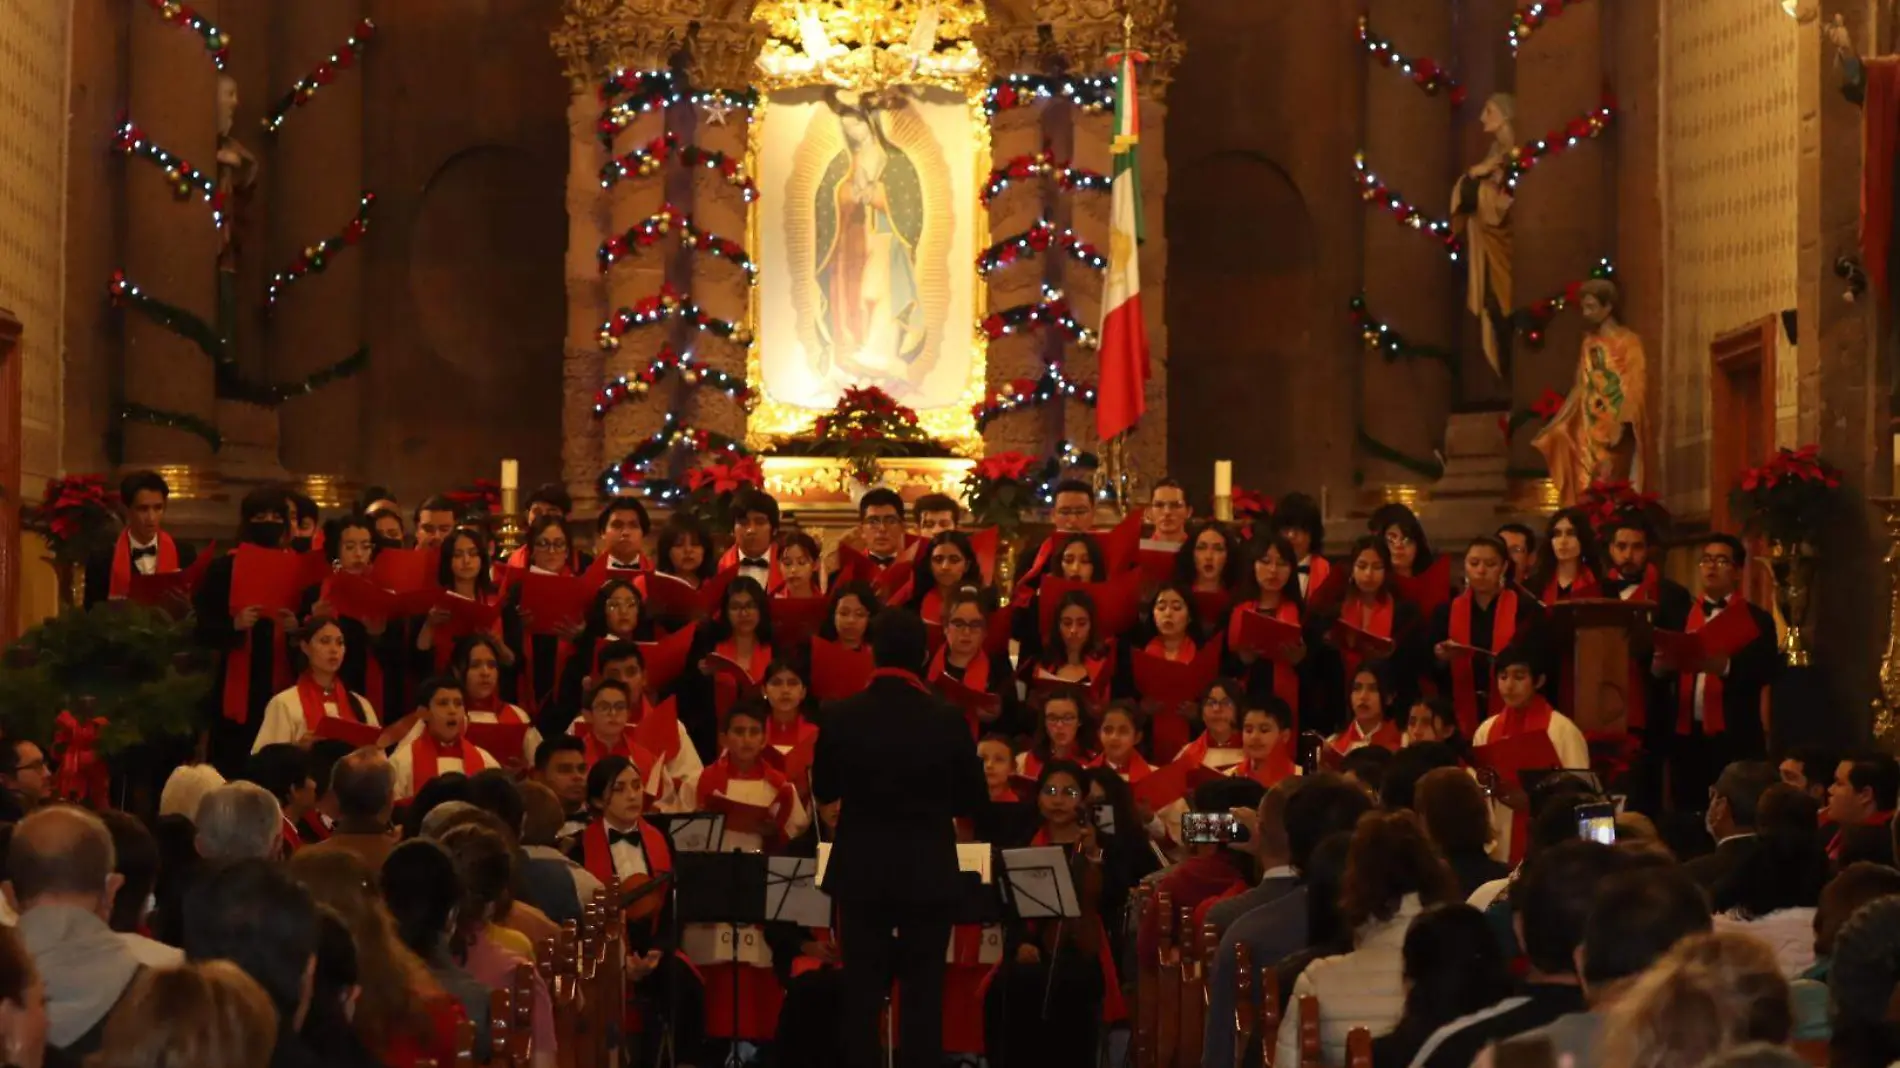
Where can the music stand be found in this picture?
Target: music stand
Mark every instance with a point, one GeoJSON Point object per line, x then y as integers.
{"type": "Point", "coordinates": [691, 832]}
{"type": "Point", "coordinates": [723, 888]}
{"type": "Point", "coordinates": [792, 894]}
{"type": "Point", "coordinates": [1037, 885]}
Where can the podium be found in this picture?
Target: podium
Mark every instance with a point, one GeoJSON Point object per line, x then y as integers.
{"type": "Point", "coordinates": [1602, 639]}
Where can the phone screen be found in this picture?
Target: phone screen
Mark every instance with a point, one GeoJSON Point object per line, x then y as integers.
{"type": "Point", "coordinates": [1597, 822]}
{"type": "Point", "coordinates": [1103, 815]}
{"type": "Point", "coordinates": [1208, 828]}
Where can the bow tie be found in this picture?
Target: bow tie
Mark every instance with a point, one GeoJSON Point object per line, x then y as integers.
{"type": "Point", "coordinates": [615, 565]}
{"type": "Point", "coordinates": [881, 561]}
{"type": "Point", "coordinates": [755, 561]}
{"type": "Point", "coordinates": [614, 837]}
{"type": "Point", "coordinates": [1710, 607]}
{"type": "Point", "coordinates": [149, 550]}
{"type": "Point", "coordinates": [1304, 569]}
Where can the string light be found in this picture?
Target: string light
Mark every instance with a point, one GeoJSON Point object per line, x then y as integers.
{"type": "Point", "coordinates": [1374, 191]}
{"type": "Point", "coordinates": [667, 304]}
{"type": "Point", "coordinates": [1026, 393]}
{"type": "Point", "coordinates": [1533, 319]}
{"type": "Point", "coordinates": [1092, 93]}
{"type": "Point", "coordinates": [1033, 241]}
{"type": "Point", "coordinates": [1578, 130]}
{"type": "Point", "coordinates": [1042, 165]}
{"type": "Point", "coordinates": [325, 72]}
{"type": "Point", "coordinates": [184, 177]}
{"type": "Point", "coordinates": [1528, 18]}
{"type": "Point", "coordinates": [657, 90]}
{"type": "Point", "coordinates": [647, 160]}
{"type": "Point", "coordinates": [631, 472]}
{"type": "Point", "coordinates": [316, 258]}
{"type": "Point", "coordinates": [195, 425]}
{"type": "Point", "coordinates": [1381, 338]}
{"type": "Point", "coordinates": [637, 385]}
{"type": "Point", "coordinates": [217, 42]}
{"type": "Point", "coordinates": [1043, 483]}
{"type": "Point", "coordinates": [649, 230]}
{"type": "Point", "coordinates": [1426, 73]}
{"type": "Point", "coordinates": [1053, 310]}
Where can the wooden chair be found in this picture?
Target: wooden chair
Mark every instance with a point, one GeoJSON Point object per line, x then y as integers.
{"type": "Point", "coordinates": [1312, 1053]}
{"type": "Point", "coordinates": [1812, 1051]}
{"type": "Point", "coordinates": [1167, 985]}
{"type": "Point", "coordinates": [1147, 1002]}
{"type": "Point", "coordinates": [1193, 989]}
{"type": "Point", "coordinates": [564, 991]}
{"type": "Point", "coordinates": [465, 1043]}
{"type": "Point", "coordinates": [501, 1034]}
{"type": "Point", "coordinates": [1269, 1015]}
{"type": "Point", "coordinates": [1246, 1009]}
{"type": "Point", "coordinates": [1359, 1048]}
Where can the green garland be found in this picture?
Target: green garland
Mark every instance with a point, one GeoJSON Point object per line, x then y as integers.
{"type": "Point", "coordinates": [190, 424]}
{"type": "Point", "coordinates": [1393, 345]}
{"type": "Point", "coordinates": [1430, 468]}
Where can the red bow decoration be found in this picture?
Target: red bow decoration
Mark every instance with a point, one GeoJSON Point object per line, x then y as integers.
{"type": "Point", "coordinates": [83, 775]}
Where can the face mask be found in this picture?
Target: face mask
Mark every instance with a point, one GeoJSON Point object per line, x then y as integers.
{"type": "Point", "coordinates": [302, 545]}
{"type": "Point", "coordinates": [267, 533]}
{"type": "Point", "coordinates": [389, 543]}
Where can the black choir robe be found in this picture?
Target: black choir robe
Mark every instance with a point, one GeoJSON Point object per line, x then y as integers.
{"type": "Point", "coordinates": [99, 568]}
{"type": "Point", "coordinates": [213, 629]}
{"type": "Point", "coordinates": [1530, 617]}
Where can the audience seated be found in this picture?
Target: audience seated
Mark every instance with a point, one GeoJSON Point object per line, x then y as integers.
{"type": "Point", "coordinates": [424, 890]}
{"type": "Point", "coordinates": [240, 821]}
{"type": "Point", "coordinates": [485, 863]}
{"type": "Point", "coordinates": [1710, 993]}
{"type": "Point", "coordinates": [1773, 895]}
{"type": "Point", "coordinates": [1452, 967]}
{"type": "Point", "coordinates": [1458, 819]}
{"type": "Point", "coordinates": [1272, 855]}
{"type": "Point", "coordinates": [1731, 820]}
{"type": "Point", "coordinates": [335, 988]}
{"type": "Point", "coordinates": [22, 1005]}
{"type": "Point", "coordinates": [363, 789]}
{"type": "Point", "coordinates": [185, 789]}
{"type": "Point", "coordinates": [1862, 982]}
{"type": "Point", "coordinates": [136, 860]}
{"type": "Point", "coordinates": [251, 913]}
{"type": "Point", "coordinates": [1856, 885]}
{"type": "Point", "coordinates": [549, 879]}
{"type": "Point", "coordinates": [191, 1014]}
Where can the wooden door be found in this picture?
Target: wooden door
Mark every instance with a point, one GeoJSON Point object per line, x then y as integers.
{"type": "Point", "coordinates": [1742, 425]}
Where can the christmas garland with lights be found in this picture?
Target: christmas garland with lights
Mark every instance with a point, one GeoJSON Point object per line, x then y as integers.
{"type": "Point", "coordinates": [217, 42]}
{"type": "Point", "coordinates": [1024, 393]}
{"type": "Point", "coordinates": [1090, 93]}
{"type": "Point", "coordinates": [1555, 143]}
{"type": "Point", "coordinates": [649, 230]}
{"type": "Point", "coordinates": [323, 74]}
{"type": "Point", "coordinates": [1530, 17]}
{"type": "Point", "coordinates": [1032, 242]}
{"type": "Point", "coordinates": [637, 385]}
{"type": "Point", "coordinates": [668, 304]}
{"type": "Point", "coordinates": [1374, 191]}
{"type": "Point", "coordinates": [1532, 319]}
{"type": "Point", "coordinates": [655, 90]}
{"type": "Point", "coordinates": [190, 424]}
{"type": "Point", "coordinates": [1391, 344]}
{"type": "Point", "coordinates": [647, 160]}
{"type": "Point", "coordinates": [184, 177]}
{"type": "Point", "coordinates": [1431, 470]}
{"type": "Point", "coordinates": [631, 471]}
{"type": "Point", "coordinates": [1042, 165]}
{"type": "Point", "coordinates": [1425, 73]}
{"type": "Point", "coordinates": [1051, 311]}
{"type": "Point", "coordinates": [1057, 466]}
{"type": "Point", "coordinates": [315, 259]}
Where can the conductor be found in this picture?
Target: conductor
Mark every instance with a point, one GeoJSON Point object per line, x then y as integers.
{"type": "Point", "coordinates": [901, 761]}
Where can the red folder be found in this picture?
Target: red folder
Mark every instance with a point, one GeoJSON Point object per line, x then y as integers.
{"type": "Point", "coordinates": [1173, 782]}
{"type": "Point", "coordinates": [502, 740]}
{"type": "Point", "coordinates": [1429, 589]}
{"type": "Point", "coordinates": [466, 615]}
{"type": "Point", "coordinates": [795, 620]}
{"type": "Point", "coordinates": [659, 730]}
{"type": "Point", "coordinates": [721, 666]}
{"type": "Point", "coordinates": [1330, 592]}
{"type": "Point", "coordinates": [666, 658]}
{"type": "Point", "coordinates": [997, 634]}
{"type": "Point", "coordinates": [1249, 631]}
{"type": "Point", "coordinates": [796, 765]}
{"type": "Point", "coordinates": [360, 735]}
{"type": "Point", "coordinates": [1212, 606]}
{"type": "Point", "coordinates": [1531, 751]}
{"type": "Point", "coordinates": [1724, 636]}
{"type": "Point", "coordinates": [1157, 565]}
{"type": "Point", "coordinates": [1345, 636]}
{"type": "Point", "coordinates": [1120, 542]}
{"type": "Point", "coordinates": [1115, 600]}
{"type": "Point", "coordinates": [837, 672]}
{"type": "Point", "coordinates": [1170, 684]}
{"type": "Point", "coordinates": [741, 817]}
{"type": "Point", "coordinates": [854, 566]}
{"type": "Point", "coordinates": [406, 570]}
{"type": "Point", "coordinates": [975, 703]}
{"type": "Point", "coordinates": [985, 544]}
{"type": "Point", "coordinates": [357, 597]}
{"type": "Point", "coordinates": [273, 580]}
{"type": "Point", "coordinates": [554, 601]}
{"type": "Point", "coordinates": [669, 596]}
{"type": "Point", "coordinates": [164, 590]}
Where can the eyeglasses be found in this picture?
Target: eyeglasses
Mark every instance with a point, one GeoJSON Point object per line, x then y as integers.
{"type": "Point", "coordinates": [618, 706]}
{"type": "Point", "coordinates": [1074, 513]}
{"type": "Point", "coordinates": [1067, 719]}
{"type": "Point", "coordinates": [1070, 792]}
{"type": "Point", "coordinates": [551, 546]}
{"type": "Point", "coordinates": [1398, 541]}
{"type": "Point", "coordinates": [965, 624]}
{"type": "Point", "coordinates": [1217, 701]}
{"type": "Point", "coordinates": [1711, 560]}
{"type": "Point", "coordinates": [883, 520]}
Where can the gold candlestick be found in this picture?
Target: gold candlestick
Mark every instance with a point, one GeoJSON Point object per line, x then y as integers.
{"type": "Point", "coordinates": [508, 531]}
{"type": "Point", "coordinates": [1887, 705]}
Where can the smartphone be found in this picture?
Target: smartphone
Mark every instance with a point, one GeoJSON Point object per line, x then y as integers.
{"type": "Point", "coordinates": [1211, 828]}
{"type": "Point", "coordinates": [1308, 750]}
{"type": "Point", "coordinates": [1102, 814]}
{"type": "Point", "coordinates": [1596, 822]}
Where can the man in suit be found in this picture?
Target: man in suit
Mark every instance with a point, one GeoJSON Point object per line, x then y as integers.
{"type": "Point", "coordinates": [1731, 822]}
{"type": "Point", "coordinates": [901, 763]}
{"type": "Point", "coordinates": [1720, 706]}
{"type": "Point", "coordinates": [1632, 576]}
{"type": "Point", "coordinates": [142, 547]}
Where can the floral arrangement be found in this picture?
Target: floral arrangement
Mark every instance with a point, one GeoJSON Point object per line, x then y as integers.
{"type": "Point", "coordinates": [77, 515]}
{"type": "Point", "coordinates": [712, 486]}
{"type": "Point", "coordinates": [1789, 499]}
{"type": "Point", "coordinates": [1544, 409]}
{"type": "Point", "coordinates": [1250, 509]}
{"type": "Point", "coordinates": [1607, 501]}
{"type": "Point", "coordinates": [478, 500]}
{"type": "Point", "coordinates": [999, 488]}
{"type": "Point", "coordinates": [866, 426]}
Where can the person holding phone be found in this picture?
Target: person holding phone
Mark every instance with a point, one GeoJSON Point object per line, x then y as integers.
{"type": "Point", "coordinates": [1212, 868]}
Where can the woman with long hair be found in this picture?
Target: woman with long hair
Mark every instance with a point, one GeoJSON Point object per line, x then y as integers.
{"type": "Point", "coordinates": [551, 551]}
{"type": "Point", "coordinates": [952, 565]}
{"type": "Point", "coordinates": [1377, 623]}
{"type": "Point", "coordinates": [963, 660]}
{"type": "Point", "coordinates": [1568, 567]}
{"type": "Point", "coordinates": [1073, 652]}
{"type": "Point", "coordinates": [1269, 588]}
{"type": "Point", "coordinates": [374, 659]}
{"type": "Point", "coordinates": [1210, 565]}
{"type": "Point", "coordinates": [201, 1013]}
{"type": "Point", "coordinates": [319, 694]}
{"type": "Point", "coordinates": [484, 865]}
{"type": "Point", "coordinates": [852, 606]}
{"type": "Point", "coordinates": [617, 614]}
{"type": "Point", "coordinates": [798, 560]}
{"type": "Point", "coordinates": [1072, 558]}
{"type": "Point", "coordinates": [1710, 993]}
{"type": "Point", "coordinates": [1059, 734]}
{"type": "Point", "coordinates": [1453, 967]}
{"type": "Point", "coordinates": [463, 571]}
{"type": "Point", "coordinates": [739, 637]}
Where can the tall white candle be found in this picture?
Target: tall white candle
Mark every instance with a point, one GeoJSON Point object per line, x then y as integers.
{"type": "Point", "coordinates": [510, 474]}
{"type": "Point", "coordinates": [1223, 478]}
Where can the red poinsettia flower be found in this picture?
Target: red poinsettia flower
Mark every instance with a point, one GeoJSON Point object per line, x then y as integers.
{"type": "Point", "coordinates": [1250, 503]}
{"type": "Point", "coordinates": [1002, 466]}
{"type": "Point", "coordinates": [1548, 404]}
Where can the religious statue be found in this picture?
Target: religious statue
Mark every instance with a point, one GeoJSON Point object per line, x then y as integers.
{"type": "Point", "coordinates": [1600, 431]}
{"type": "Point", "coordinates": [1481, 214]}
{"type": "Point", "coordinates": [237, 176]}
{"type": "Point", "coordinates": [869, 215]}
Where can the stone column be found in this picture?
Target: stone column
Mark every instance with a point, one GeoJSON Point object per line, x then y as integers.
{"type": "Point", "coordinates": [1561, 213]}
{"type": "Point", "coordinates": [316, 181]}
{"type": "Point", "coordinates": [1087, 142]}
{"type": "Point", "coordinates": [1484, 65]}
{"type": "Point", "coordinates": [583, 365]}
{"type": "Point", "coordinates": [171, 248]}
{"type": "Point", "coordinates": [721, 60]}
{"type": "Point", "coordinates": [1032, 431]}
{"type": "Point", "coordinates": [636, 277]}
{"type": "Point", "coordinates": [1409, 283]}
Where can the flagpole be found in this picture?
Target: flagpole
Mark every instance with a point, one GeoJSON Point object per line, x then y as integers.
{"type": "Point", "coordinates": [1120, 478]}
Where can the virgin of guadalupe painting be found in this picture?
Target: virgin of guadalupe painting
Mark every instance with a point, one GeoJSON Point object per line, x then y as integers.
{"type": "Point", "coordinates": [869, 213]}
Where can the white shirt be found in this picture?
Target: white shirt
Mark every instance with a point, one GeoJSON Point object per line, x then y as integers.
{"type": "Point", "coordinates": [1364, 988]}
{"type": "Point", "coordinates": [152, 953]}
{"type": "Point", "coordinates": [756, 792]}
{"type": "Point", "coordinates": [629, 859]}
{"type": "Point", "coordinates": [614, 564]}
{"type": "Point", "coordinates": [147, 564]}
{"type": "Point", "coordinates": [1304, 573]}
{"type": "Point", "coordinates": [1573, 751]}
{"type": "Point", "coordinates": [677, 777]}
{"type": "Point", "coordinates": [530, 741]}
{"type": "Point", "coordinates": [404, 766]}
{"type": "Point", "coordinates": [761, 575]}
{"type": "Point", "coordinates": [283, 718]}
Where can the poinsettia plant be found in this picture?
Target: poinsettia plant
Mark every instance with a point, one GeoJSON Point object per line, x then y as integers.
{"type": "Point", "coordinates": [1250, 509]}
{"type": "Point", "coordinates": [1543, 409]}
{"type": "Point", "coordinates": [712, 486]}
{"type": "Point", "coordinates": [999, 488]}
{"type": "Point", "coordinates": [865, 427]}
{"type": "Point", "coordinates": [1605, 501]}
{"type": "Point", "coordinates": [1789, 499]}
{"type": "Point", "coordinates": [77, 515]}
{"type": "Point", "coordinates": [478, 500]}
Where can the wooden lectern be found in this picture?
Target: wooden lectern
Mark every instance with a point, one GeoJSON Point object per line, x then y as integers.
{"type": "Point", "coordinates": [1604, 638]}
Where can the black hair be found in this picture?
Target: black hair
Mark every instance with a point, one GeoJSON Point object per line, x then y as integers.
{"type": "Point", "coordinates": [1785, 870]}
{"type": "Point", "coordinates": [753, 708]}
{"type": "Point", "coordinates": [1120, 798]}
{"type": "Point", "coordinates": [799, 539]}
{"type": "Point", "coordinates": [1185, 571]}
{"type": "Point", "coordinates": [143, 482]}
{"type": "Point", "coordinates": [280, 769]}
{"type": "Point", "coordinates": [683, 525]}
{"type": "Point", "coordinates": [1741, 784]}
{"type": "Point", "coordinates": [543, 525]}
{"type": "Point", "coordinates": [938, 502]}
{"type": "Point", "coordinates": [435, 502]}
{"type": "Point", "coordinates": [445, 566]}
{"type": "Point", "coordinates": [1587, 558]}
{"type": "Point", "coordinates": [1398, 515]}
{"type": "Point", "coordinates": [324, 754]}
{"type": "Point", "coordinates": [1256, 551]}
{"type": "Point", "coordinates": [1325, 873]}
{"type": "Point", "coordinates": [721, 628]}
{"type": "Point", "coordinates": [465, 647]}
{"type": "Point", "coordinates": [1324, 805]}
{"type": "Point", "coordinates": [1496, 545]}
{"type": "Point", "coordinates": [1226, 793]}
{"type": "Point", "coordinates": [926, 578]}
{"type": "Point", "coordinates": [1734, 545]}
{"type": "Point", "coordinates": [439, 791]}
{"type": "Point", "coordinates": [600, 778]}
{"type": "Point", "coordinates": [253, 914]}
{"type": "Point", "coordinates": [1097, 561]}
{"type": "Point", "coordinates": [1817, 764]}
{"type": "Point", "coordinates": [1638, 916]}
{"type": "Point", "coordinates": [608, 652]}
{"type": "Point", "coordinates": [1518, 654]}
{"type": "Point", "coordinates": [1376, 545]}
{"type": "Point", "coordinates": [428, 688]}
{"type": "Point", "coordinates": [327, 1029]}
{"type": "Point", "coordinates": [493, 790]}
{"type": "Point", "coordinates": [1453, 966]}
{"type": "Point", "coordinates": [1073, 485]}
{"type": "Point", "coordinates": [595, 628]}
{"type": "Point", "coordinates": [1878, 772]}
{"type": "Point", "coordinates": [881, 497]}
{"type": "Point", "coordinates": [1054, 653]}
{"type": "Point", "coordinates": [1145, 630]}
{"type": "Point", "coordinates": [1628, 520]}
{"type": "Point", "coordinates": [263, 499]}
{"type": "Point", "coordinates": [560, 743]}
{"type": "Point", "coordinates": [1369, 764]}
{"type": "Point", "coordinates": [1408, 766]}
{"type": "Point", "coordinates": [552, 494]}
{"type": "Point", "coordinates": [621, 504]}
{"type": "Point", "coordinates": [1040, 743]}
{"type": "Point", "coordinates": [604, 686]}
{"type": "Point", "coordinates": [1522, 530]}
{"type": "Point", "coordinates": [333, 534]}
{"type": "Point", "coordinates": [1272, 707]}
{"type": "Point", "coordinates": [423, 889]}
{"type": "Point", "coordinates": [1299, 511]}
{"type": "Point", "coordinates": [866, 595]}
{"type": "Point", "coordinates": [1554, 897]}
{"type": "Point", "coordinates": [898, 639]}
{"type": "Point", "coordinates": [748, 500]}
{"type": "Point", "coordinates": [135, 858]}
{"type": "Point", "coordinates": [302, 507]}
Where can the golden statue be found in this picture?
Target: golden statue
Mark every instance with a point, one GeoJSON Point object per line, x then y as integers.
{"type": "Point", "coordinates": [1600, 431]}
{"type": "Point", "coordinates": [1481, 214]}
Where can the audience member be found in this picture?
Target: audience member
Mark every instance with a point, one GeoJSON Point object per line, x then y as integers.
{"type": "Point", "coordinates": [1399, 787]}
{"type": "Point", "coordinates": [1863, 982]}
{"type": "Point", "coordinates": [136, 860]}
{"type": "Point", "coordinates": [284, 770]}
{"type": "Point", "coordinates": [1860, 805]}
{"type": "Point", "coordinates": [24, 774]}
{"type": "Point", "coordinates": [185, 789]}
{"type": "Point", "coordinates": [1786, 808]}
{"type": "Point", "coordinates": [1271, 853]}
{"type": "Point", "coordinates": [1856, 885]}
{"type": "Point", "coordinates": [1452, 967]}
{"type": "Point", "coordinates": [549, 879]}
{"type": "Point", "coordinates": [363, 789]}
{"type": "Point", "coordinates": [1731, 819]}
{"type": "Point", "coordinates": [209, 1014]}
{"type": "Point", "coordinates": [240, 821]}
{"type": "Point", "coordinates": [23, 1016]}
{"type": "Point", "coordinates": [1809, 769]}
{"type": "Point", "coordinates": [486, 865]}
{"type": "Point", "coordinates": [1773, 896]}
{"type": "Point", "coordinates": [252, 914]}
{"type": "Point", "coordinates": [1458, 819]}
{"type": "Point", "coordinates": [1208, 871]}
{"type": "Point", "coordinates": [334, 992]}
{"type": "Point", "coordinates": [1710, 993]}
{"type": "Point", "coordinates": [423, 890]}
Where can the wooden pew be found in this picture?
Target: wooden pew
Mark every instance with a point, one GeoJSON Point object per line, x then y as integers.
{"type": "Point", "coordinates": [1359, 1048]}
{"type": "Point", "coordinates": [465, 1043]}
{"type": "Point", "coordinates": [1312, 1053]}
{"type": "Point", "coordinates": [1167, 985]}
{"type": "Point", "coordinates": [1193, 989]}
{"type": "Point", "coordinates": [1147, 1002]}
{"type": "Point", "coordinates": [1246, 1009]}
{"type": "Point", "coordinates": [1269, 1015]}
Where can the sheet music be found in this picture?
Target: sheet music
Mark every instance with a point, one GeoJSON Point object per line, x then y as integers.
{"type": "Point", "coordinates": [975, 857]}
{"type": "Point", "coordinates": [792, 894]}
{"type": "Point", "coordinates": [697, 832]}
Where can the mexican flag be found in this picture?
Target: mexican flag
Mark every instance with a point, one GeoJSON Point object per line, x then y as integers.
{"type": "Point", "coordinates": [1121, 392]}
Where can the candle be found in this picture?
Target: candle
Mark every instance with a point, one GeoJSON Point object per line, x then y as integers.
{"type": "Point", "coordinates": [1223, 478]}
{"type": "Point", "coordinates": [510, 474]}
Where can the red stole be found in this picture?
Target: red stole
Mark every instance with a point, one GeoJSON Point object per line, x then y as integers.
{"type": "Point", "coordinates": [725, 691]}
{"type": "Point", "coordinates": [1714, 718]}
{"type": "Point", "coordinates": [1132, 772]}
{"type": "Point", "coordinates": [1533, 718]}
{"type": "Point", "coordinates": [1114, 1007]}
{"type": "Point", "coordinates": [1880, 139]}
{"type": "Point", "coordinates": [500, 709]}
{"type": "Point", "coordinates": [1198, 748]}
{"type": "Point", "coordinates": [311, 828]}
{"type": "Point", "coordinates": [1184, 656]}
{"type": "Point", "coordinates": [372, 668]}
{"type": "Point", "coordinates": [1585, 586]}
{"type": "Point", "coordinates": [425, 751]}
{"type": "Point", "coordinates": [293, 840]}
{"type": "Point", "coordinates": [1033, 761]}
{"type": "Point", "coordinates": [121, 582]}
{"type": "Point", "coordinates": [238, 667]}
{"type": "Point", "coordinates": [1386, 737]}
{"type": "Point", "coordinates": [598, 750]}
{"type": "Point", "coordinates": [313, 699]}
{"type": "Point", "coordinates": [931, 610]}
{"type": "Point", "coordinates": [788, 736]}
{"type": "Point", "coordinates": [1268, 772]}
{"type": "Point", "coordinates": [597, 858]}
{"type": "Point", "coordinates": [1464, 684]}
{"type": "Point", "coordinates": [1377, 621]}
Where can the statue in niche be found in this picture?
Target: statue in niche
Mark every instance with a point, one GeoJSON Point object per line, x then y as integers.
{"type": "Point", "coordinates": [237, 176]}
{"type": "Point", "coordinates": [870, 214]}
{"type": "Point", "coordinates": [1600, 431]}
{"type": "Point", "coordinates": [1481, 214]}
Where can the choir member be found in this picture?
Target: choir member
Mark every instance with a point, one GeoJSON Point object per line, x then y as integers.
{"type": "Point", "coordinates": [1058, 734]}
{"type": "Point", "coordinates": [463, 571]}
{"type": "Point", "coordinates": [623, 662]}
{"type": "Point", "coordinates": [620, 842]}
{"type": "Point", "coordinates": [1074, 558]}
{"type": "Point", "coordinates": [298, 712]}
{"type": "Point", "coordinates": [306, 529]}
{"type": "Point", "coordinates": [1120, 736]}
{"type": "Point", "coordinates": [685, 553]}
{"type": "Point", "coordinates": [376, 660]}
{"type": "Point", "coordinates": [1521, 542]}
{"type": "Point", "coordinates": [1170, 628]}
{"type": "Point", "coordinates": [1072, 651]}
{"type": "Point", "coordinates": [852, 606]}
{"type": "Point", "coordinates": [1299, 521]}
{"type": "Point", "coordinates": [1073, 512]}
{"type": "Point", "coordinates": [1405, 536]}
{"type": "Point", "coordinates": [477, 666]}
{"type": "Point", "coordinates": [1485, 617]}
{"type": "Point", "coordinates": [742, 775]}
{"type": "Point", "coordinates": [1567, 566]}
{"type": "Point", "coordinates": [442, 746]}
{"type": "Point", "coordinates": [621, 533]}
{"type": "Point", "coordinates": [1168, 513]}
{"type": "Point", "coordinates": [754, 551]}
{"type": "Point", "coordinates": [386, 525]}
{"type": "Point", "coordinates": [617, 614]}
{"type": "Point", "coordinates": [1217, 748]}
{"type": "Point", "coordinates": [798, 556]}
{"type": "Point", "coordinates": [251, 665]}
{"type": "Point", "coordinates": [952, 566]}
{"type": "Point", "coordinates": [1721, 706]}
{"type": "Point", "coordinates": [962, 658]}
{"type": "Point", "coordinates": [998, 755]}
{"type": "Point", "coordinates": [786, 693]}
{"type": "Point", "coordinates": [1372, 606]}
{"type": "Point", "coordinates": [1432, 719]}
{"type": "Point", "coordinates": [880, 531]}
{"type": "Point", "coordinates": [1525, 712]}
{"type": "Point", "coordinates": [560, 764]}
{"type": "Point", "coordinates": [1129, 854]}
{"type": "Point", "coordinates": [1209, 564]}
{"type": "Point", "coordinates": [435, 519]}
{"type": "Point", "coordinates": [549, 498]}
{"type": "Point", "coordinates": [1079, 559]}
{"type": "Point", "coordinates": [1634, 576]}
{"type": "Point", "coordinates": [1370, 697]}
{"type": "Point", "coordinates": [1267, 588]}
{"type": "Point", "coordinates": [741, 633]}
{"type": "Point", "coordinates": [936, 513]}
{"type": "Point", "coordinates": [604, 720]}
{"type": "Point", "coordinates": [1031, 1019]}
{"type": "Point", "coordinates": [549, 553]}
{"type": "Point", "coordinates": [142, 546]}
{"type": "Point", "coordinates": [1266, 743]}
